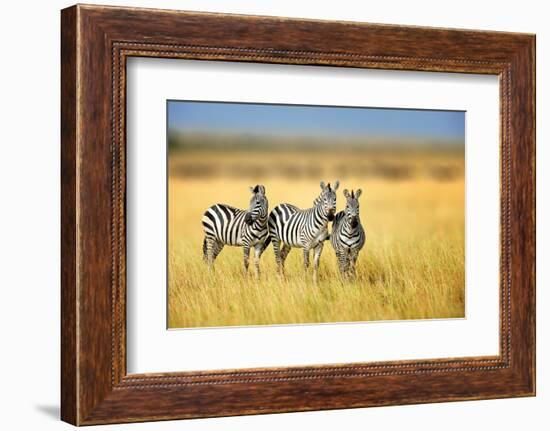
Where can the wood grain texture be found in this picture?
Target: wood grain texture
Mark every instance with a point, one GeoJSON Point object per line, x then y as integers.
{"type": "Point", "coordinates": [69, 366]}
{"type": "Point", "coordinates": [96, 41]}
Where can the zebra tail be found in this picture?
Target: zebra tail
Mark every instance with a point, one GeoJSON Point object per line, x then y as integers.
{"type": "Point", "coordinates": [204, 250]}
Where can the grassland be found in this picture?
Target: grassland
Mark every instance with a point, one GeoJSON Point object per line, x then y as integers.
{"type": "Point", "coordinates": [412, 266]}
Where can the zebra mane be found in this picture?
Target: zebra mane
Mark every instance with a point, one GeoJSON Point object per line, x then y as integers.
{"type": "Point", "coordinates": [317, 200]}
{"type": "Point", "coordinates": [258, 189]}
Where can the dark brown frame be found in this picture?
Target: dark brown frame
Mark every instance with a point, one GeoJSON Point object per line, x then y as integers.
{"type": "Point", "coordinates": [95, 43]}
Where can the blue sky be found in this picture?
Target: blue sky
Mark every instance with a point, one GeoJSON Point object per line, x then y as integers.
{"type": "Point", "coordinates": [315, 120]}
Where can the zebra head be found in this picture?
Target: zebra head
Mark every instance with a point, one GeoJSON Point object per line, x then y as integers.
{"type": "Point", "coordinates": [352, 207]}
{"type": "Point", "coordinates": [327, 199]}
{"type": "Point", "coordinates": [258, 205]}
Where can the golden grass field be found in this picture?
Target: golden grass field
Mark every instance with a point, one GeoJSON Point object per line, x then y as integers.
{"type": "Point", "coordinates": [412, 265]}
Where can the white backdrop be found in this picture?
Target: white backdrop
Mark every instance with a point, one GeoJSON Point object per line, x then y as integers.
{"type": "Point", "coordinates": [151, 348]}
{"type": "Point", "coordinates": [29, 220]}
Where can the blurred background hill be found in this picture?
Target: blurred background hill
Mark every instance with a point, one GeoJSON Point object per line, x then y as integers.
{"type": "Point", "coordinates": [253, 156]}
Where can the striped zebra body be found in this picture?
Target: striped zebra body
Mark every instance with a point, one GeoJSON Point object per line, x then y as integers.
{"type": "Point", "coordinates": [290, 226]}
{"type": "Point", "coordinates": [226, 225]}
{"type": "Point", "coordinates": [348, 236]}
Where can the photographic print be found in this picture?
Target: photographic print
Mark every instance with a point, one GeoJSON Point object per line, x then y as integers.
{"type": "Point", "coordinates": [299, 214]}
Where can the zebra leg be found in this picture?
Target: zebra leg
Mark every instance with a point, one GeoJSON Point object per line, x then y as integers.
{"type": "Point", "coordinates": [342, 262]}
{"type": "Point", "coordinates": [264, 245]}
{"type": "Point", "coordinates": [246, 253]}
{"type": "Point", "coordinates": [306, 258]}
{"type": "Point", "coordinates": [353, 263]}
{"type": "Point", "coordinates": [208, 250]}
{"type": "Point", "coordinates": [316, 258]}
{"type": "Point", "coordinates": [217, 247]}
{"type": "Point", "coordinates": [284, 253]}
{"type": "Point", "coordinates": [205, 249]}
{"type": "Point", "coordinates": [278, 258]}
{"type": "Point", "coordinates": [258, 249]}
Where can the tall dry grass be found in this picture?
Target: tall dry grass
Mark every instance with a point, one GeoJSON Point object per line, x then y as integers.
{"type": "Point", "coordinates": [412, 265]}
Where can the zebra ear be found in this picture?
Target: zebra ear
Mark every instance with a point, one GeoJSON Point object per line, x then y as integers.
{"type": "Point", "coordinates": [346, 193]}
{"type": "Point", "coordinates": [322, 184]}
{"type": "Point", "coordinates": [358, 193]}
{"type": "Point", "coordinates": [336, 184]}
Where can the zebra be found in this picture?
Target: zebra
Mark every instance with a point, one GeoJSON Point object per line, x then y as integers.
{"type": "Point", "coordinates": [290, 226]}
{"type": "Point", "coordinates": [347, 236]}
{"type": "Point", "coordinates": [226, 225]}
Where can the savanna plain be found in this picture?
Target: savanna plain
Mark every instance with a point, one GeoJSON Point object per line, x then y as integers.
{"type": "Point", "coordinates": [411, 267]}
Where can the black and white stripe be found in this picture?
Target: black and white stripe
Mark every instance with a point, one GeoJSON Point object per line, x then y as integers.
{"type": "Point", "coordinates": [290, 226]}
{"type": "Point", "coordinates": [347, 236]}
{"type": "Point", "coordinates": [227, 225]}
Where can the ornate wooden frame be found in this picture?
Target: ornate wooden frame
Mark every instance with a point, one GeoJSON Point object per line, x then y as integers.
{"type": "Point", "coordinates": [95, 42]}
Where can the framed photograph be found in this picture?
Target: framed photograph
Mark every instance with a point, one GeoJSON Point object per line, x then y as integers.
{"type": "Point", "coordinates": [264, 215]}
